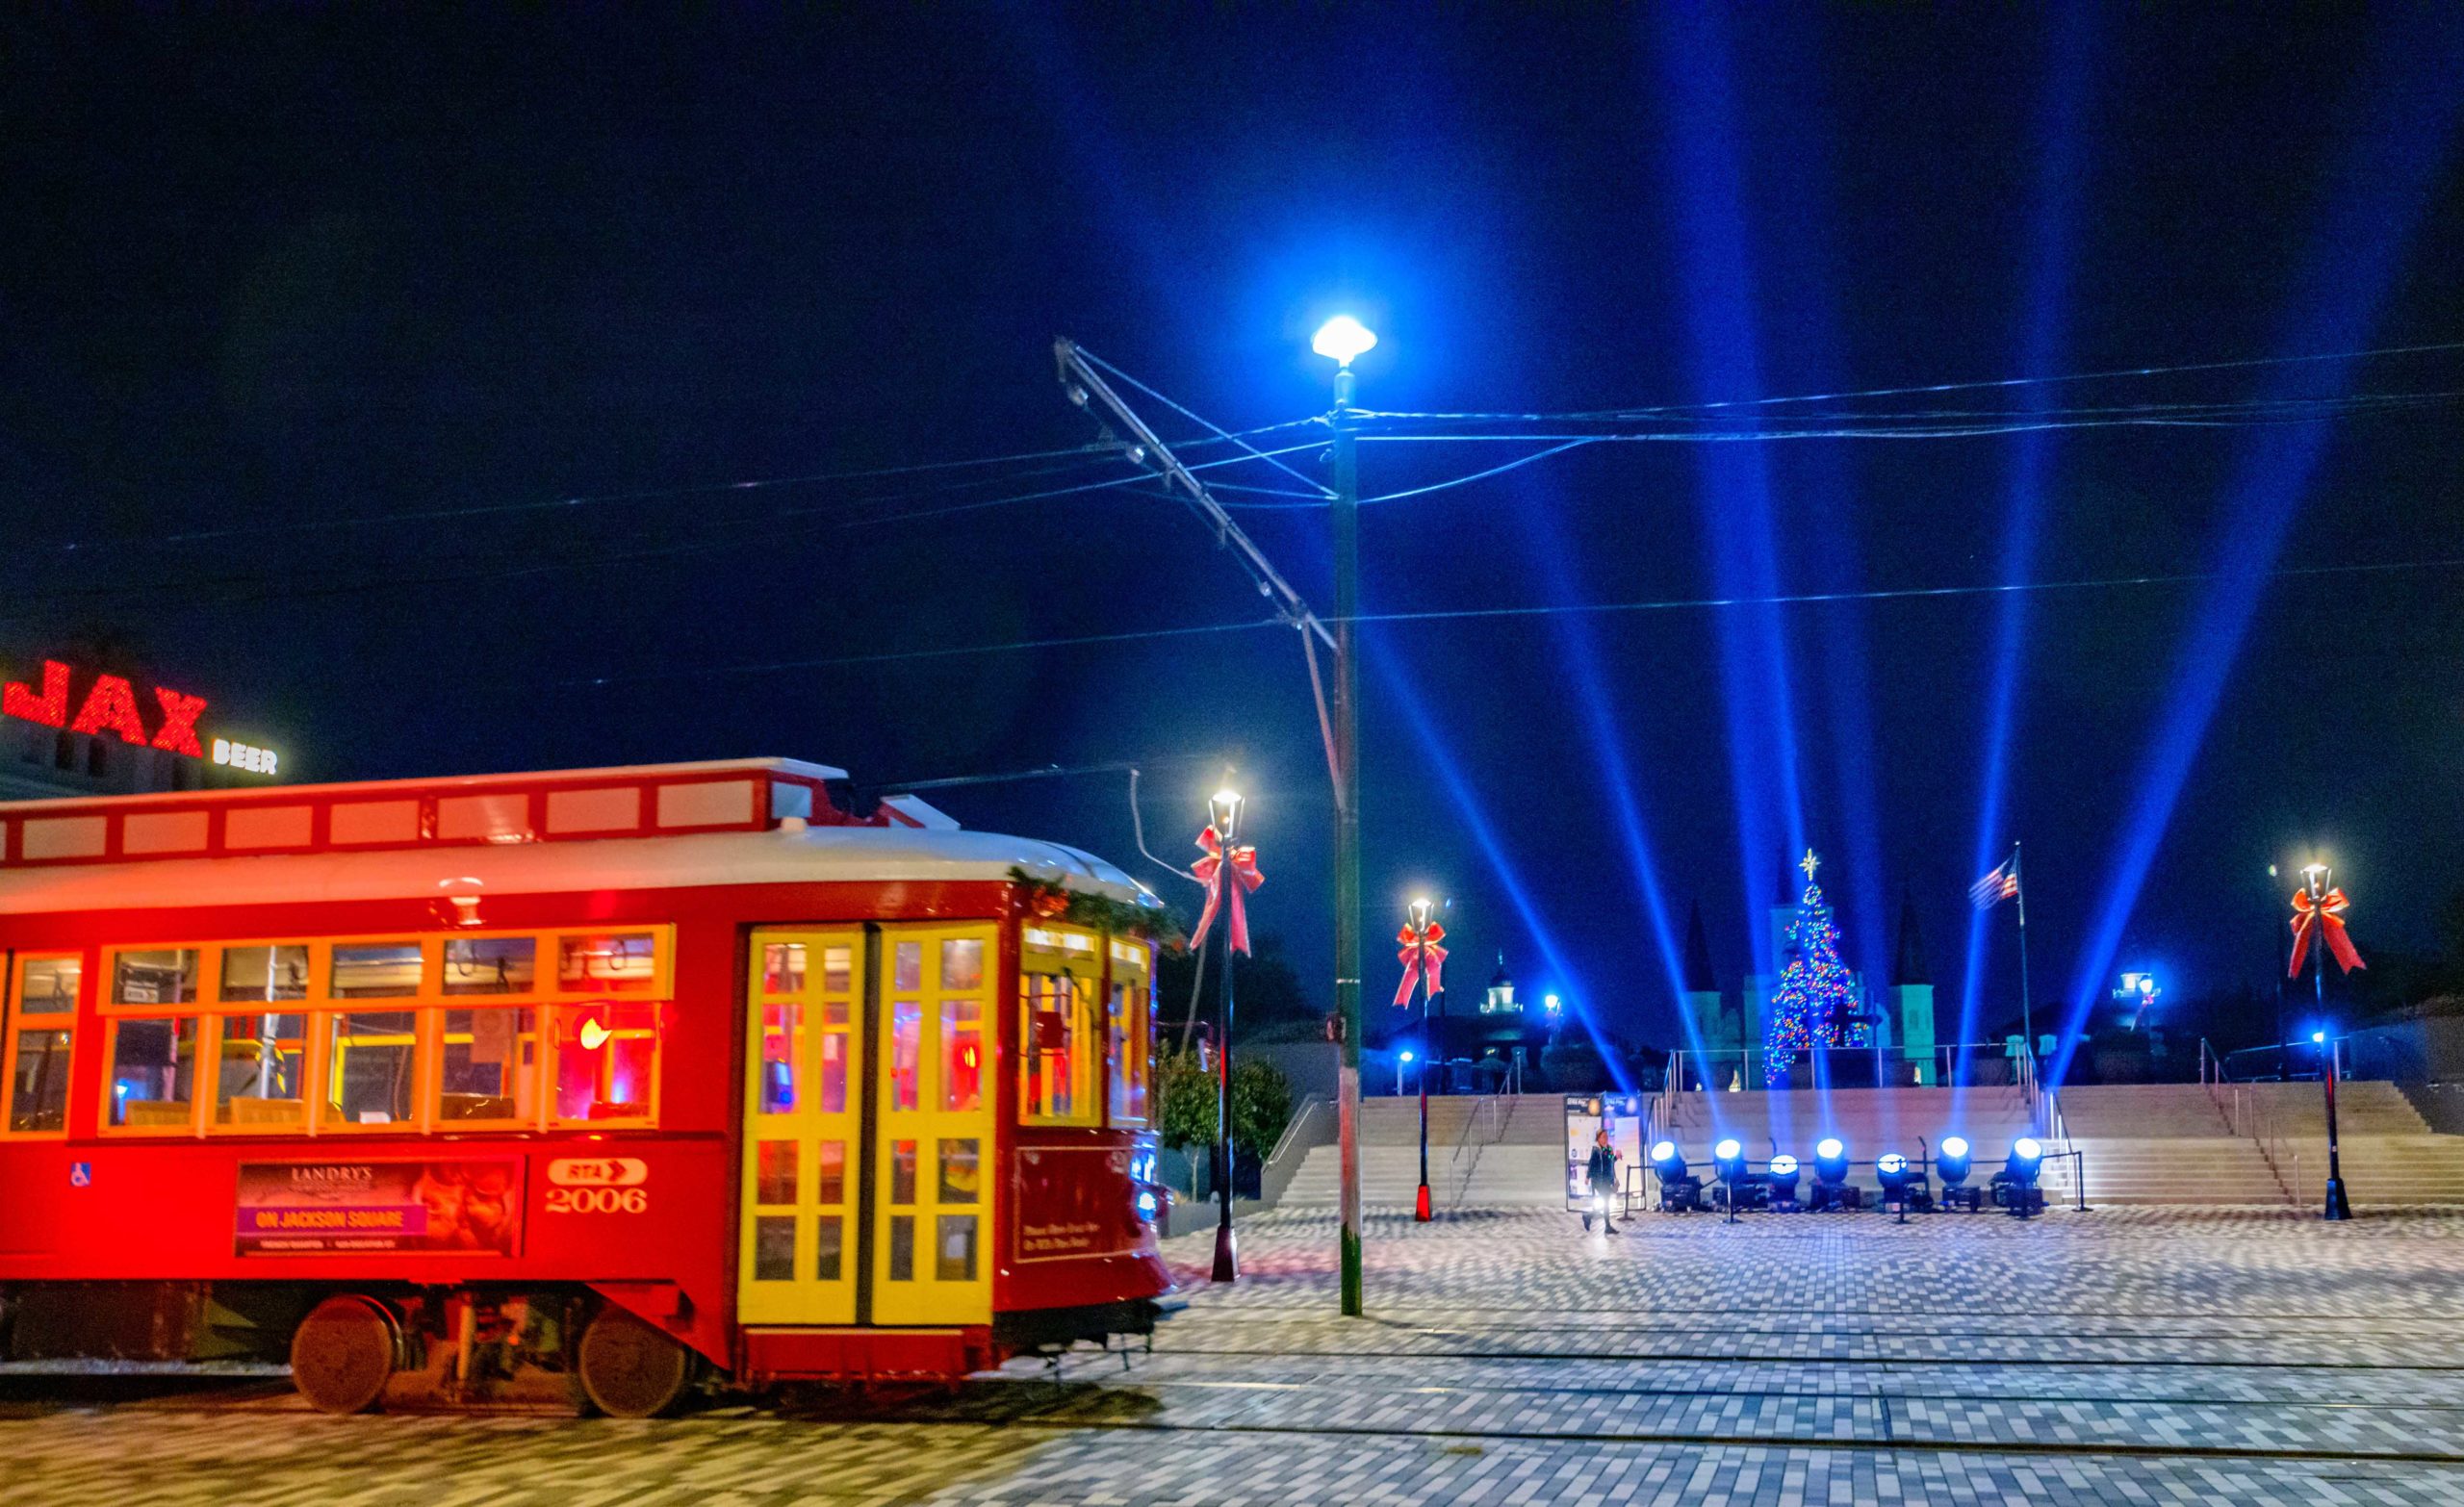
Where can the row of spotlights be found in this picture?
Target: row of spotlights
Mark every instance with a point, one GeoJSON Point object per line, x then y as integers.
{"type": "Point", "coordinates": [1830, 1157]}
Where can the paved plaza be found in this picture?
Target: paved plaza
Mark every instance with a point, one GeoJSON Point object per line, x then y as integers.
{"type": "Point", "coordinates": [2127, 1356]}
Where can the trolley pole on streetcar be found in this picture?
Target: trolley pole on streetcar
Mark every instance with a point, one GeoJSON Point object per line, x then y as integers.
{"type": "Point", "coordinates": [1340, 340]}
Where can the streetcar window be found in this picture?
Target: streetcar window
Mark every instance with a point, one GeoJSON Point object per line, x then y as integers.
{"type": "Point", "coordinates": [263, 1063]}
{"type": "Point", "coordinates": [963, 964]}
{"type": "Point", "coordinates": [608, 964]}
{"type": "Point", "coordinates": [782, 968]}
{"type": "Point", "coordinates": [490, 964]}
{"type": "Point", "coordinates": [264, 973]}
{"type": "Point", "coordinates": [372, 1068]}
{"type": "Point", "coordinates": [902, 1173]}
{"type": "Point", "coordinates": [153, 1082]}
{"type": "Point", "coordinates": [774, 1180]}
{"type": "Point", "coordinates": [837, 970]}
{"type": "Point", "coordinates": [783, 1055]}
{"type": "Point", "coordinates": [962, 1055]}
{"type": "Point", "coordinates": [956, 1248]}
{"type": "Point", "coordinates": [1126, 1032]}
{"type": "Point", "coordinates": [907, 970]}
{"type": "Point", "coordinates": [606, 1064]}
{"type": "Point", "coordinates": [379, 970]}
{"type": "Point", "coordinates": [774, 1248]}
{"type": "Point", "coordinates": [830, 1186]}
{"type": "Point", "coordinates": [960, 1179]}
{"type": "Point", "coordinates": [834, 1070]}
{"type": "Point", "coordinates": [41, 1022]}
{"type": "Point", "coordinates": [157, 976]}
{"type": "Point", "coordinates": [906, 1033]}
{"type": "Point", "coordinates": [902, 1248]}
{"type": "Point", "coordinates": [828, 1241]}
{"type": "Point", "coordinates": [1053, 1040]}
{"type": "Point", "coordinates": [488, 1068]}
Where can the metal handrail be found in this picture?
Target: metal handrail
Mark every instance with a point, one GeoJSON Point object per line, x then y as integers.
{"type": "Point", "coordinates": [1471, 1122]}
{"type": "Point", "coordinates": [1309, 1108]}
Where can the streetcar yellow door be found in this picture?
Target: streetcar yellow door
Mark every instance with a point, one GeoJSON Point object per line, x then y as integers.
{"type": "Point", "coordinates": [802, 1111]}
{"type": "Point", "coordinates": [932, 1150]}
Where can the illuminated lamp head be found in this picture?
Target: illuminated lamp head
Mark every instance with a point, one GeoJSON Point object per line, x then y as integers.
{"type": "Point", "coordinates": [1830, 1162]}
{"type": "Point", "coordinates": [593, 1035]}
{"type": "Point", "coordinates": [1224, 812]}
{"type": "Point", "coordinates": [1729, 1156]}
{"type": "Point", "coordinates": [1892, 1170]}
{"type": "Point", "coordinates": [2026, 1157]}
{"type": "Point", "coordinates": [1953, 1160]}
{"type": "Point", "coordinates": [1343, 340]}
{"type": "Point", "coordinates": [1784, 1176]}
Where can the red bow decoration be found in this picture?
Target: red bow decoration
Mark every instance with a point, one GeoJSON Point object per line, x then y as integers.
{"type": "Point", "coordinates": [1244, 868]}
{"type": "Point", "coordinates": [2326, 913]}
{"type": "Point", "coordinates": [1415, 944]}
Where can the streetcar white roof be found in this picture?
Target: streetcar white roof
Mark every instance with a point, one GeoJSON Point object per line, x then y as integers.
{"type": "Point", "coordinates": [782, 855]}
{"type": "Point", "coordinates": [519, 780]}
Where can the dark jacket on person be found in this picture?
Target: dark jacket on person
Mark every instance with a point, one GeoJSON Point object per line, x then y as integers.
{"type": "Point", "coordinates": [1604, 1167]}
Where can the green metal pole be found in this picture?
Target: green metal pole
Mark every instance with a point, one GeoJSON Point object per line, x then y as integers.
{"type": "Point", "coordinates": [1346, 479]}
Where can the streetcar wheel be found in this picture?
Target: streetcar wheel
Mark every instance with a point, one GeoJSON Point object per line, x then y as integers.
{"type": "Point", "coordinates": [630, 1369]}
{"type": "Point", "coordinates": [343, 1353]}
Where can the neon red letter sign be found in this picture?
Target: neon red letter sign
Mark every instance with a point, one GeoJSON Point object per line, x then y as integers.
{"type": "Point", "coordinates": [50, 709]}
{"type": "Point", "coordinates": [178, 732]}
{"type": "Point", "coordinates": [111, 706]}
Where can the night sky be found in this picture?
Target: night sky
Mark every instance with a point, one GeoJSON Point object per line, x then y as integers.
{"type": "Point", "coordinates": [312, 321]}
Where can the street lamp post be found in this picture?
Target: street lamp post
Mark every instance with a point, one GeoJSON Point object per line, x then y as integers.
{"type": "Point", "coordinates": [1341, 340]}
{"type": "Point", "coordinates": [1224, 815]}
{"type": "Point", "coordinates": [2315, 881]}
{"type": "Point", "coordinates": [1418, 939]}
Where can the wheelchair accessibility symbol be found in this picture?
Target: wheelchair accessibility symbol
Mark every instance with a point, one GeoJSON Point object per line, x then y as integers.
{"type": "Point", "coordinates": [81, 1174]}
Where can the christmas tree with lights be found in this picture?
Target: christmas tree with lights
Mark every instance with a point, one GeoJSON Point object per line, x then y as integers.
{"type": "Point", "coordinates": [1815, 1003]}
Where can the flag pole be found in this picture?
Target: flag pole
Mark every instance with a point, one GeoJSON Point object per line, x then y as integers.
{"type": "Point", "coordinates": [2027, 1014]}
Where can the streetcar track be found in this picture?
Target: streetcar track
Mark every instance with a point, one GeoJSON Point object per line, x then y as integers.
{"type": "Point", "coordinates": [2040, 1450]}
{"type": "Point", "coordinates": [1732, 1358]}
{"type": "Point", "coordinates": [1357, 1384]}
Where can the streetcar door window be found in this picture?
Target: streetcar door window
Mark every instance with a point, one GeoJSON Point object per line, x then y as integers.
{"type": "Point", "coordinates": [1127, 1033]}
{"type": "Point", "coordinates": [935, 1119]}
{"type": "Point", "coordinates": [802, 1111]}
{"type": "Point", "coordinates": [40, 1023]}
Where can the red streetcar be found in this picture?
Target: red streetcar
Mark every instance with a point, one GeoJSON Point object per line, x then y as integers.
{"type": "Point", "coordinates": [569, 1086]}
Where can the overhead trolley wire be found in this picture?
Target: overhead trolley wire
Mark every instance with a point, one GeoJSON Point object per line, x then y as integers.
{"type": "Point", "coordinates": [2116, 373]}
{"type": "Point", "coordinates": [1071, 458]}
{"type": "Point", "coordinates": [1476, 614]}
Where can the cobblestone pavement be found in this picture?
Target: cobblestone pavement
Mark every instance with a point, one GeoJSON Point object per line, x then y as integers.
{"type": "Point", "coordinates": [2127, 1356]}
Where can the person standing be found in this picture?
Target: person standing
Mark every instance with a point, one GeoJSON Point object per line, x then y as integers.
{"type": "Point", "coordinates": [1602, 1172]}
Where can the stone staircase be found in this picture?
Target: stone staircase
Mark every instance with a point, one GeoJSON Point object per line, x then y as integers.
{"type": "Point", "coordinates": [1499, 1151]}
{"type": "Point", "coordinates": [2164, 1144]}
{"type": "Point", "coordinates": [2391, 1157]}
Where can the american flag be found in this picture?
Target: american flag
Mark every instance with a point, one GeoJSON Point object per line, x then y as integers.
{"type": "Point", "coordinates": [2002, 884]}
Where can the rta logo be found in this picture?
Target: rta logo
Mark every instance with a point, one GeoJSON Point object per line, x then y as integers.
{"type": "Point", "coordinates": [598, 1171]}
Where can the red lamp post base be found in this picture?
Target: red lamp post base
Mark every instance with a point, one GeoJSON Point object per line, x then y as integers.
{"type": "Point", "coordinates": [1420, 1208]}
